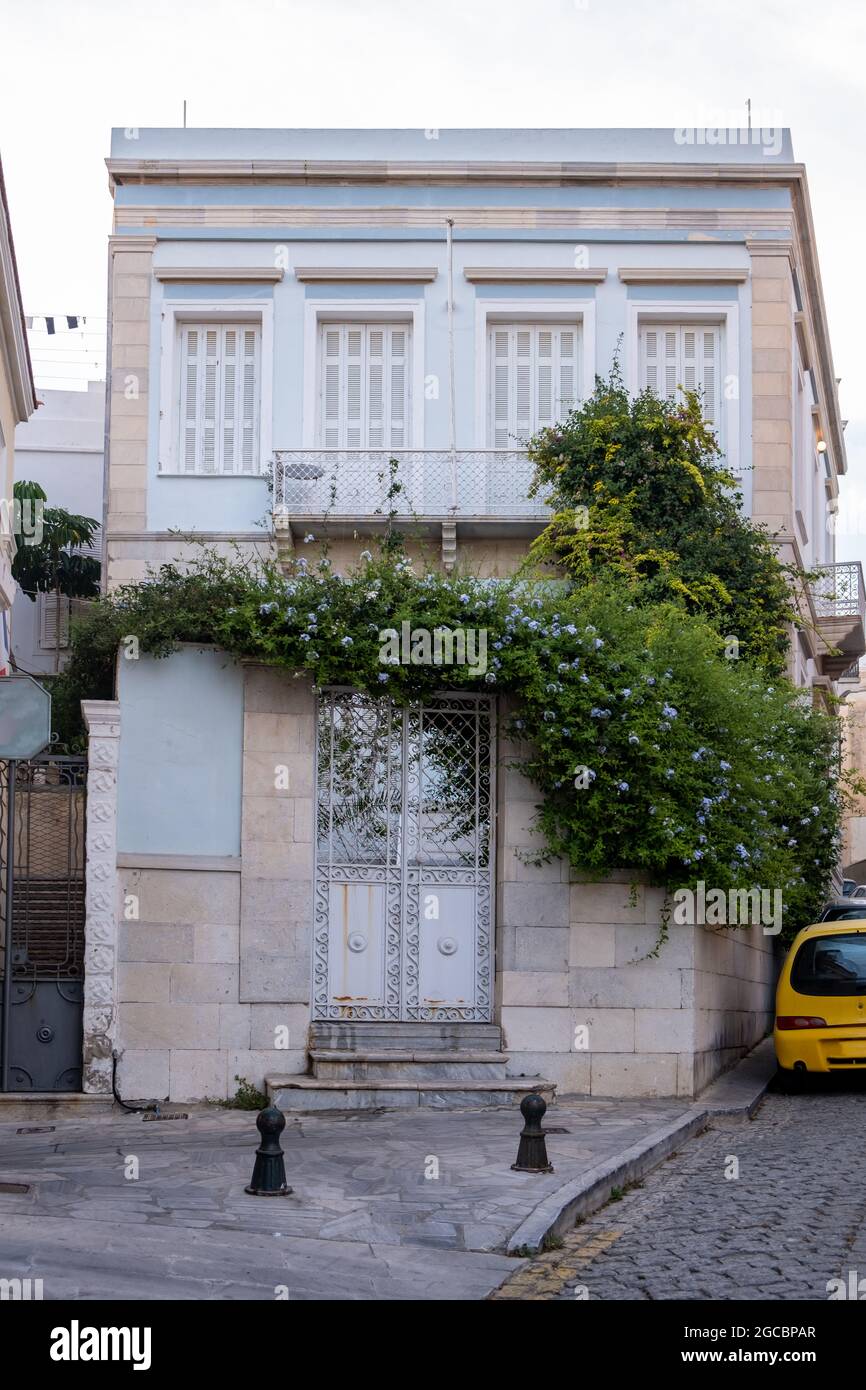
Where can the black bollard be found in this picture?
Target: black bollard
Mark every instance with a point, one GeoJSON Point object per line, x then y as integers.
{"type": "Point", "coordinates": [532, 1150]}
{"type": "Point", "coordinates": [269, 1171]}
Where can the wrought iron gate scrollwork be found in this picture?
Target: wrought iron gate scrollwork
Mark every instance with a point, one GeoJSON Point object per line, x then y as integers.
{"type": "Point", "coordinates": [403, 818]}
{"type": "Point", "coordinates": [42, 912]}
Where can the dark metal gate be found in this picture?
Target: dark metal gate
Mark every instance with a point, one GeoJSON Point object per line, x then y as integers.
{"type": "Point", "coordinates": [42, 865]}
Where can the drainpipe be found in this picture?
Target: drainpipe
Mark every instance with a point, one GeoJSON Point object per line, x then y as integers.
{"type": "Point", "coordinates": [452, 424]}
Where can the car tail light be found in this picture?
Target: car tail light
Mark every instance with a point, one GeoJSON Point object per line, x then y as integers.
{"type": "Point", "coordinates": [785, 1021]}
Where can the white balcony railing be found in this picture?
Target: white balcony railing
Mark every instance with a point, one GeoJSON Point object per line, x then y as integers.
{"type": "Point", "coordinates": [838, 592]}
{"type": "Point", "coordinates": [426, 483]}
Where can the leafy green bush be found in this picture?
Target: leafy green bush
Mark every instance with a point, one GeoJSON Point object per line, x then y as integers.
{"type": "Point", "coordinates": [641, 495]}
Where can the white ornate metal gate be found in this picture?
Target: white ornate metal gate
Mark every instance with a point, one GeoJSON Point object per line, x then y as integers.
{"type": "Point", "coordinates": [404, 859]}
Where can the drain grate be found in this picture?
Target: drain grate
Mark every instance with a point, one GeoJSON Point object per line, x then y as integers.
{"type": "Point", "coordinates": [36, 1129]}
{"type": "Point", "coordinates": [15, 1188]}
{"type": "Point", "coordinates": [178, 1115]}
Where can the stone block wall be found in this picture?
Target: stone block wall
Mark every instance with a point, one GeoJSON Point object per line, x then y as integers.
{"type": "Point", "coordinates": [276, 887]}
{"type": "Point", "coordinates": [585, 998]}
{"type": "Point", "coordinates": [214, 955]}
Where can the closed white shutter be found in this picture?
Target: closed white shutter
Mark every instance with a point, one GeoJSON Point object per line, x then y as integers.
{"type": "Point", "coordinates": [219, 397]}
{"type": "Point", "coordinates": [567, 342]}
{"type": "Point", "coordinates": [189, 398]}
{"type": "Point", "coordinates": [211, 339]}
{"type": "Point", "coordinates": [500, 395]}
{"type": "Point", "coordinates": [398, 386]}
{"type": "Point", "coordinates": [532, 379]}
{"type": "Point", "coordinates": [48, 613]}
{"type": "Point", "coordinates": [94, 548]}
{"type": "Point", "coordinates": [229, 413]}
{"type": "Point", "coordinates": [332, 342]}
{"type": "Point", "coordinates": [686, 356]}
{"type": "Point", "coordinates": [376, 388]}
{"type": "Point", "coordinates": [364, 385]}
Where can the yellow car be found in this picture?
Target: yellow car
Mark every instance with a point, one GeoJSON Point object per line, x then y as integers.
{"type": "Point", "coordinates": [821, 1003]}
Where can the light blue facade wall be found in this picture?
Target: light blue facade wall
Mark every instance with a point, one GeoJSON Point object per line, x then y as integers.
{"type": "Point", "coordinates": [242, 504]}
{"type": "Point", "coordinates": [181, 746]}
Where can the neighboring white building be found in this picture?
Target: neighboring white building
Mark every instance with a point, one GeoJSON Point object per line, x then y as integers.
{"type": "Point", "coordinates": [17, 402]}
{"type": "Point", "coordinates": [62, 449]}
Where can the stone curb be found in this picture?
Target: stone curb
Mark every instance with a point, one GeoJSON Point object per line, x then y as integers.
{"type": "Point", "coordinates": [741, 1090]}
{"type": "Point", "coordinates": [736, 1093]}
{"type": "Point", "coordinates": [584, 1195]}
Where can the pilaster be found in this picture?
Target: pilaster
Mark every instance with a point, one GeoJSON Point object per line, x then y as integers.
{"type": "Point", "coordinates": [102, 718]}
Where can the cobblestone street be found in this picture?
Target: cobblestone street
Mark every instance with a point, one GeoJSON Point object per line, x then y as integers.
{"type": "Point", "coordinates": [793, 1219]}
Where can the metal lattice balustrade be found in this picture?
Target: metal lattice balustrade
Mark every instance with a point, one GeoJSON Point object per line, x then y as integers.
{"type": "Point", "coordinates": [435, 483]}
{"type": "Point", "coordinates": [838, 590]}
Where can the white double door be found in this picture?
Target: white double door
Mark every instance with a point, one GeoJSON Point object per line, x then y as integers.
{"type": "Point", "coordinates": [404, 859]}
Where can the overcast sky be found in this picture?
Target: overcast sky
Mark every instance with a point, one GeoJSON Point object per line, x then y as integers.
{"type": "Point", "coordinates": [72, 69]}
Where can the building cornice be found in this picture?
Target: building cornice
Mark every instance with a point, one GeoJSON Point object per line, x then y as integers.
{"type": "Point", "coordinates": [361, 274]}
{"type": "Point", "coordinates": [215, 171]}
{"type": "Point", "coordinates": [13, 336]}
{"type": "Point", "coordinates": [530, 275]}
{"type": "Point", "coordinates": [771, 246]}
{"type": "Point", "coordinates": [684, 275]}
{"type": "Point", "coordinates": [192, 537]}
{"type": "Point", "coordinates": [120, 241]}
{"type": "Point", "coordinates": [210, 274]}
{"type": "Point", "coordinates": [298, 220]}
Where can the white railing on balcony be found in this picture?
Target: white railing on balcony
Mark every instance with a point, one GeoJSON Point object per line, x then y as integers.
{"type": "Point", "coordinates": [431, 483]}
{"type": "Point", "coordinates": [838, 591]}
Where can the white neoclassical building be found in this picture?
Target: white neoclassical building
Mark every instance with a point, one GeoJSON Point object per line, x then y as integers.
{"type": "Point", "coordinates": [295, 308]}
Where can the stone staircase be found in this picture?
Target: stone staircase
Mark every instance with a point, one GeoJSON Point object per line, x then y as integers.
{"type": "Point", "coordinates": [371, 1066]}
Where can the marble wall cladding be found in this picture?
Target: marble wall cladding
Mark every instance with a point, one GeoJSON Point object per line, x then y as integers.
{"type": "Point", "coordinates": [588, 992]}
{"type": "Point", "coordinates": [213, 970]}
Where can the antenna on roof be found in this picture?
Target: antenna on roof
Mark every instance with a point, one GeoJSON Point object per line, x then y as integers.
{"type": "Point", "coordinates": [748, 111]}
{"type": "Point", "coordinates": [184, 114]}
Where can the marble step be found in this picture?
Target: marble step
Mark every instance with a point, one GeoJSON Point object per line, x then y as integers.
{"type": "Point", "coordinates": [306, 1093]}
{"type": "Point", "coordinates": [36, 1106]}
{"type": "Point", "coordinates": [417, 1065]}
{"type": "Point", "coordinates": [349, 1035]}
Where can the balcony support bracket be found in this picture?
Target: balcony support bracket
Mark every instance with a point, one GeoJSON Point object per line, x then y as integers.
{"type": "Point", "coordinates": [283, 538]}
{"type": "Point", "coordinates": [449, 545]}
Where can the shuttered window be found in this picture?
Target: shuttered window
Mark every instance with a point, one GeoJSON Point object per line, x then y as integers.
{"type": "Point", "coordinates": [94, 549]}
{"type": "Point", "coordinates": [685, 356]}
{"type": "Point", "coordinates": [364, 375]}
{"type": "Point", "coordinates": [49, 609]}
{"type": "Point", "coordinates": [532, 379]}
{"type": "Point", "coordinates": [220, 368]}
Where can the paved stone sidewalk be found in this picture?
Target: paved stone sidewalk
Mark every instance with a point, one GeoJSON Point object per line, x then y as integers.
{"type": "Point", "coordinates": [794, 1218]}
{"type": "Point", "coordinates": [367, 1220]}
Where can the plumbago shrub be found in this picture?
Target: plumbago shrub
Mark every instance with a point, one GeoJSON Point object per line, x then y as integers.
{"type": "Point", "coordinates": [647, 747]}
